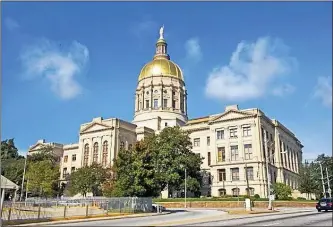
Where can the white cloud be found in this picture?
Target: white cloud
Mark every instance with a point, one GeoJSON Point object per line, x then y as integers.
{"type": "Point", "coordinates": [283, 90]}
{"type": "Point", "coordinates": [193, 50]}
{"type": "Point", "coordinates": [323, 90]}
{"type": "Point", "coordinates": [11, 24]}
{"type": "Point", "coordinates": [252, 69]}
{"type": "Point", "coordinates": [59, 65]}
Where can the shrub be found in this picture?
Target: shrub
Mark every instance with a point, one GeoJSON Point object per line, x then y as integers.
{"type": "Point", "coordinates": [256, 196]}
{"type": "Point", "coordinates": [301, 198]}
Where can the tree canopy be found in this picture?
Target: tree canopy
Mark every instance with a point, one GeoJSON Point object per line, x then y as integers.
{"type": "Point", "coordinates": [43, 173]}
{"type": "Point", "coordinates": [88, 179]}
{"type": "Point", "coordinates": [156, 163]}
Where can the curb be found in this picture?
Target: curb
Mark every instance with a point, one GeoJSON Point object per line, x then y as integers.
{"type": "Point", "coordinates": [90, 219]}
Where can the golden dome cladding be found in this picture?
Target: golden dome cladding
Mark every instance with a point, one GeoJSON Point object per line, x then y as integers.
{"type": "Point", "coordinates": [161, 67]}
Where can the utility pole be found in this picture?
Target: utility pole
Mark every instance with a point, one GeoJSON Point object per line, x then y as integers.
{"type": "Point", "coordinates": [185, 186]}
{"type": "Point", "coordinates": [22, 186]}
{"type": "Point", "coordinates": [322, 179]}
{"type": "Point", "coordinates": [328, 184]}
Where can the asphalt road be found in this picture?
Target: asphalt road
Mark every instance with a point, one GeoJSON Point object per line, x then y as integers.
{"type": "Point", "coordinates": [296, 219]}
{"type": "Point", "coordinates": [160, 220]}
{"type": "Point", "coordinates": [210, 217]}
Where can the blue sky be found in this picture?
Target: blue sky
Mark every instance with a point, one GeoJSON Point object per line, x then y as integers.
{"type": "Point", "coordinates": [59, 58]}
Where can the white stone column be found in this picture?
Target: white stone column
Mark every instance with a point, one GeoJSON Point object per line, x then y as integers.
{"type": "Point", "coordinates": [100, 148]}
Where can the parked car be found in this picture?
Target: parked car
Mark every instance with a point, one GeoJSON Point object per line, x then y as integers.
{"type": "Point", "coordinates": [324, 204]}
{"type": "Point", "coordinates": [160, 207]}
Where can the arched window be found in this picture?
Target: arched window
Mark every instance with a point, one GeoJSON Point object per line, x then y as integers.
{"type": "Point", "coordinates": [122, 145]}
{"type": "Point", "coordinates": [222, 192]}
{"type": "Point", "coordinates": [105, 153]}
{"type": "Point", "coordinates": [235, 192]}
{"type": "Point", "coordinates": [95, 153]}
{"type": "Point", "coordinates": [86, 155]}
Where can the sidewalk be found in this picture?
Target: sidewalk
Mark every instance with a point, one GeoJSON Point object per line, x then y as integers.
{"type": "Point", "coordinates": [89, 219]}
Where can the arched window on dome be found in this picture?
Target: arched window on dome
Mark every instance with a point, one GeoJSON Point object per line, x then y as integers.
{"type": "Point", "coordinates": [86, 155]}
{"type": "Point", "coordinates": [105, 153]}
{"type": "Point", "coordinates": [95, 153]}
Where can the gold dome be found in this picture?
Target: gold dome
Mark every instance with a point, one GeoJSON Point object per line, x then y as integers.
{"type": "Point", "coordinates": [161, 67]}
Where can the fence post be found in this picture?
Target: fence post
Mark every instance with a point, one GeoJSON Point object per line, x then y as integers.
{"type": "Point", "coordinates": [87, 210]}
{"type": "Point", "coordinates": [9, 212]}
{"type": "Point", "coordinates": [119, 206]}
{"type": "Point", "coordinates": [107, 208]}
{"type": "Point", "coordinates": [65, 209]}
{"type": "Point", "coordinates": [38, 216]}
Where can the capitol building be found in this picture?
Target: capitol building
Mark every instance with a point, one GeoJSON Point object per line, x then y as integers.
{"type": "Point", "coordinates": [232, 143]}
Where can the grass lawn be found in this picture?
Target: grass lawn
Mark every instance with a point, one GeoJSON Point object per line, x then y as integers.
{"type": "Point", "coordinates": [230, 199]}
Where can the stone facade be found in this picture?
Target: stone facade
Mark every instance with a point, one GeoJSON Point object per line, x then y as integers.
{"type": "Point", "coordinates": [230, 142]}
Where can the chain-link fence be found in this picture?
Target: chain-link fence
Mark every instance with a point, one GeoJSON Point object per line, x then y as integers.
{"type": "Point", "coordinates": [38, 209]}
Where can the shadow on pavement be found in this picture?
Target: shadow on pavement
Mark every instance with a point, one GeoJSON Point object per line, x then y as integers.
{"type": "Point", "coordinates": [176, 210]}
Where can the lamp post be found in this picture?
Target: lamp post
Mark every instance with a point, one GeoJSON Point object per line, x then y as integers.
{"type": "Point", "coordinates": [185, 189]}
{"type": "Point", "coordinates": [22, 185]}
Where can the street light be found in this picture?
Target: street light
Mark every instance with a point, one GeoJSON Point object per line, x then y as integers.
{"type": "Point", "coordinates": [25, 166]}
{"type": "Point", "coordinates": [182, 166]}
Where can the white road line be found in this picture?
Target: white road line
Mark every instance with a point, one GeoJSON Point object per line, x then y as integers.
{"type": "Point", "coordinates": [275, 223]}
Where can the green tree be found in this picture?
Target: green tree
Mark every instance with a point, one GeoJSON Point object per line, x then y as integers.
{"type": "Point", "coordinates": [307, 184]}
{"type": "Point", "coordinates": [135, 173]}
{"type": "Point", "coordinates": [9, 151]}
{"type": "Point", "coordinates": [43, 172]}
{"type": "Point", "coordinates": [12, 162]}
{"type": "Point", "coordinates": [282, 191]}
{"type": "Point", "coordinates": [43, 178]}
{"type": "Point", "coordinates": [88, 179]}
{"type": "Point", "coordinates": [157, 162]}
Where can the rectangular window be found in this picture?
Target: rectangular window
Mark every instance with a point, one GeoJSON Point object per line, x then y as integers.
{"type": "Point", "coordinates": [73, 157]}
{"type": "Point", "coordinates": [155, 104]}
{"type": "Point", "coordinates": [248, 151]}
{"type": "Point", "coordinates": [196, 142]}
{"type": "Point", "coordinates": [221, 154]}
{"type": "Point", "coordinates": [66, 158]}
{"type": "Point", "coordinates": [64, 173]}
{"type": "Point", "coordinates": [234, 153]}
{"type": "Point", "coordinates": [165, 103]}
{"type": "Point", "coordinates": [249, 171]}
{"type": "Point", "coordinates": [271, 137]}
{"type": "Point", "coordinates": [220, 134]}
{"type": "Point", "coordinates": [209, 158]}
{"type": "Point", "coordinates": [246, 131]}
{"type": "Point", "coordinates": [233, 133]}
{"type": "Point", "coordinates": [174, 104]}
{"type": "Point", "coordinates": [147, 104]}
{"type": "Point", "coordinates": [221, 175]}
{"type": "Point", "coordinates": [73, 169]}
{"type": "Point", "coordinates": [208, 141]}
{"type": "Point", "coordinates": [235, 174]}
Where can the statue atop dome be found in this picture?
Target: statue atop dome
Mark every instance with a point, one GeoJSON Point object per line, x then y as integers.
{"type": "Point", "coordinates": [162, 32]}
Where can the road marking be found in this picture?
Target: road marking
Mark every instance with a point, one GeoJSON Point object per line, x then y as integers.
{"type": "Point", "coordinates": [275, 223]}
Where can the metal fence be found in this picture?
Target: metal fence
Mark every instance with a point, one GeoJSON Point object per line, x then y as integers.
{"type": "Point", "coordinates": [40, 209]}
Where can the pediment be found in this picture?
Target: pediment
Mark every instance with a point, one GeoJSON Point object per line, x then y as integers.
{"type": "Point", "coordinates": [231, 115]}
{"type": "Point", "coordinates": [95, 127]}
{"type": "Point", "coordinates": [37, 146]}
